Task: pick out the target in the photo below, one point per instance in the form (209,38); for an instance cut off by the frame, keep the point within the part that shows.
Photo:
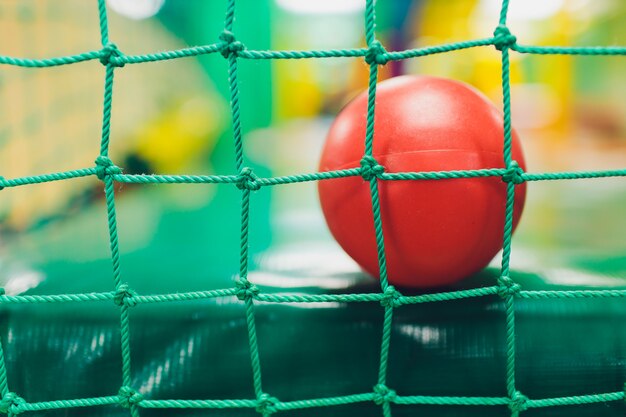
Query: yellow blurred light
(524,9)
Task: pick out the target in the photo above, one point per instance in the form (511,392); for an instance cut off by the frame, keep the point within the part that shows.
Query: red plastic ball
(436,232)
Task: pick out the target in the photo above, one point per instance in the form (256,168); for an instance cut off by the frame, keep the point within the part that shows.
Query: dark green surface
(199,350)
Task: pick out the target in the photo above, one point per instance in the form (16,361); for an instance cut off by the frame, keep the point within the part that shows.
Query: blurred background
(174,117)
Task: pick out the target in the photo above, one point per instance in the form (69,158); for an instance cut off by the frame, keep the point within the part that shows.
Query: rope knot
(383,394)
(514,173)
(110,55)
(128,396)
(246,290)
(10,403)
(231,44)
(391,297)
(266,404)
(248,180)
(519,402)
(502,38)
(376,54)
(104,167)
(506,287)
(370,168)
(124,296)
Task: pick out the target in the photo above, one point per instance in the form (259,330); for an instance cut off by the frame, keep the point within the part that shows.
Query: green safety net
(246,181)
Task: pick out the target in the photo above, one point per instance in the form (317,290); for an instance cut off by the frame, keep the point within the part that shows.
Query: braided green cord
(473,401)
(319,298)
(328,53)
(245,220)
(104,171)
(195,51)
(570,294)
(175,54)
(503,12)
(508,229)
(216,404)
(255,294)
(50,62)
(184,296)
(574,175)
(371,108)
(442,175)
(254,348)
(104,23)
(4,387)
(125,336)
(430,50)
(318,176)
(312,298)
(246,183)
(517,400)
(61,404)
(581,50)
(506,97)
(321,402)
(576,400)
(307,177)
(448,296)
(234,103)
(374,55)
(58,298)
(370,28)
(324,402)
(106,114)
(112,223)
(247,295)
(509,303)
(176,179)
(384,349)
(378,226)
(56,176)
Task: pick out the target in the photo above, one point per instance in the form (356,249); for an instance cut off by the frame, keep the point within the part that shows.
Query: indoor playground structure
(164,250)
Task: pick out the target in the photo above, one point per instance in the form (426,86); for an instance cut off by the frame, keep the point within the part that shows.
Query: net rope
(246,181)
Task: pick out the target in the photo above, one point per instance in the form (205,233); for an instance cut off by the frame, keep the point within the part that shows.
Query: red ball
(436,232)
